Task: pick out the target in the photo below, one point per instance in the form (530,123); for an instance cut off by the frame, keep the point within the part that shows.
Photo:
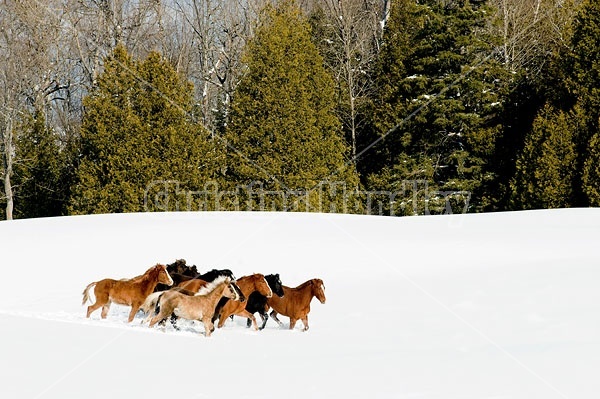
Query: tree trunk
(7,158)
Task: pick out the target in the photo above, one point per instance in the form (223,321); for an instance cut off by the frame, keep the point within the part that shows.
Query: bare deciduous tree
(531,30)
(355,27)
(29,55)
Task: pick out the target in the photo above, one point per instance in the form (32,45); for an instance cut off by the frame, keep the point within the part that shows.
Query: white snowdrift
(502,305)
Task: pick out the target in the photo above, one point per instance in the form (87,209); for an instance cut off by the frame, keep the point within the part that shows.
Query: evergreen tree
(546,169)
(586,75)
(137,133)
(439,94)
(283,134)
(591,172)
(43,176)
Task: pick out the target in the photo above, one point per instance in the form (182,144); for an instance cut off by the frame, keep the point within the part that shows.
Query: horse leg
(92,308)
(292,323)
(305,322)
(264,316)
(209,327)
(274,317)
(132,313)
(159,318)
(173,321)
(105,310)
(222,319)
(250,316)
(102,300)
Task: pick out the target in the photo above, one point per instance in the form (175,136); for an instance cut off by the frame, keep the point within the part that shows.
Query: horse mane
(304,284)
(154,270)
(210,287)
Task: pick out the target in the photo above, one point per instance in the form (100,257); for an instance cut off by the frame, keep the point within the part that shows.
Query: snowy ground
(496,306)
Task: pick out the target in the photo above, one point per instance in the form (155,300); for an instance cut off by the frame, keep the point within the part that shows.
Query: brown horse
(295,302)
(192,285)
(200,306)
(130,292)
(247,284)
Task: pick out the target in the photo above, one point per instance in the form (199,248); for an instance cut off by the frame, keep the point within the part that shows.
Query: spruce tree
(138,134)
(283,134)
(439,93)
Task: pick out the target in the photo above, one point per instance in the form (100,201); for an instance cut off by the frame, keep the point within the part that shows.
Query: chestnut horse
(200,306)
(192,285)
(295,302)
(258,303)
(130,292)
(248,284)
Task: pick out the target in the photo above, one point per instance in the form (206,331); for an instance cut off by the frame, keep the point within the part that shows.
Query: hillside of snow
(503,305)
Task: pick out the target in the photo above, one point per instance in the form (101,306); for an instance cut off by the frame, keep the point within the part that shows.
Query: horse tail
(86,293)
(157,306)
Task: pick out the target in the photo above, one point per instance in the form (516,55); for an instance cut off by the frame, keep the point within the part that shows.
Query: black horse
(214,273)
(179,272)
(256,302)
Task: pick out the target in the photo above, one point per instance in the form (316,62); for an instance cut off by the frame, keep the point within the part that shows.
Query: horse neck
(303,293)
(247,285)
(148,281)
(216,294)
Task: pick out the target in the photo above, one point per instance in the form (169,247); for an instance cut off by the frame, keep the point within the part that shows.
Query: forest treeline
(394,107)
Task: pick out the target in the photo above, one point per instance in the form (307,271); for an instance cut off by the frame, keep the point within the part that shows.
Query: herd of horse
(170,292)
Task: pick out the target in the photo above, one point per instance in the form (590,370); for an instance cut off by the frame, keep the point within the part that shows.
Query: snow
(502,305)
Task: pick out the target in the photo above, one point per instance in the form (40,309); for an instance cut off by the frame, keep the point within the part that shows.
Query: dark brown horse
(130,292)
(200,306)
(295,302)
(247,284)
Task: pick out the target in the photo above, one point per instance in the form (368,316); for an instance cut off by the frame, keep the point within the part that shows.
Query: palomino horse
(258,302)
(151,300)
(248,284)
(295,302)
(130,292)
(200,306)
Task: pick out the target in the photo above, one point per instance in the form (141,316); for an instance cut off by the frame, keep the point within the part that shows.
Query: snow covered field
(502,305)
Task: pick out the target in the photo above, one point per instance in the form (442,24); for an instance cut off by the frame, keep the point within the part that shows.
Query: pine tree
(283,134)
(138,134)
(546,169)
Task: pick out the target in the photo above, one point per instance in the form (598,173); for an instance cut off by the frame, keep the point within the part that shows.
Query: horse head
(232,291)
(261,285)
(275,284)
(318,289)
(163,275)
(240,295)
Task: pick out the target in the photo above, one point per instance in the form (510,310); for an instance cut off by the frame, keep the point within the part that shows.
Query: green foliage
(591,172)
(546,169)
(586,75)
(439,93)
(283,134)
(43,173)
(137,133)
(586,50)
